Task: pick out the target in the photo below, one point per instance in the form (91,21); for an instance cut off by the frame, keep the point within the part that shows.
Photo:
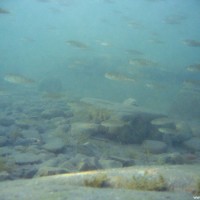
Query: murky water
(87,81)
(143,40)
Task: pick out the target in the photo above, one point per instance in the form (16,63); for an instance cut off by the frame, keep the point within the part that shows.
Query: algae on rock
(148,183)
(98,181)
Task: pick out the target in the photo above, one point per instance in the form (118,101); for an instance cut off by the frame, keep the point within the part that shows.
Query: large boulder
(126,123)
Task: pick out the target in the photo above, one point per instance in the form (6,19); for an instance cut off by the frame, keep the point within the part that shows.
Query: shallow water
(82,80)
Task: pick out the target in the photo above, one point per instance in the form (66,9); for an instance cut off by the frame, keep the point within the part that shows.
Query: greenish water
(143,40)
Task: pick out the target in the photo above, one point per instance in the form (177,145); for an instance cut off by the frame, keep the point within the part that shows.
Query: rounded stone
(27,158)
(55,145)
(48,171)
(3,141)
(52,113)
(87,164)
(4,176)
(193,144)
(154,146)
(107,164)
(6,122)
(87,149)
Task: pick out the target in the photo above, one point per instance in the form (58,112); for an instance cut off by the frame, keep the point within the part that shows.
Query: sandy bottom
(182,181)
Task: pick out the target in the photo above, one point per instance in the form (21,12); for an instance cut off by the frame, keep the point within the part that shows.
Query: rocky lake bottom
(49,136)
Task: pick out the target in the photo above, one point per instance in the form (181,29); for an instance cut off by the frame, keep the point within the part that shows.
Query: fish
(84,126)
(191,83)
(156,41)
(194,68)
(174,19)
(17,79)
(192,43)
(134,52)
(135,24)
(167,130)
(53,95)
(118,77)
(103,43)
(162,121)
(4,11)
(155,86)
(113,123)
(77,44)
(45,1)
(142,62)
(189,90)
(130,102)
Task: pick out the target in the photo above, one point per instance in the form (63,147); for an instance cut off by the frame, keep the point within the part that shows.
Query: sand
(181,183)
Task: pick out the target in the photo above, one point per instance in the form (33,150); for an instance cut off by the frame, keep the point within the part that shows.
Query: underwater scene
(91,86)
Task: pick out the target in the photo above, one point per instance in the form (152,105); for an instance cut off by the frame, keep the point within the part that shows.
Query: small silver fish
(143,62)
(162,121)
(17,79)
(191,83)
(4,11)
(118,77)
(192,43)
(77,44)
(167,130)
(194,68)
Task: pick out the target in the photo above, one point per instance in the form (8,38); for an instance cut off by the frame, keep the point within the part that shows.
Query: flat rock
(126,162)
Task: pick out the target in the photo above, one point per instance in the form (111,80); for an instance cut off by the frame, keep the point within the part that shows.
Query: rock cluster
(40,137)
